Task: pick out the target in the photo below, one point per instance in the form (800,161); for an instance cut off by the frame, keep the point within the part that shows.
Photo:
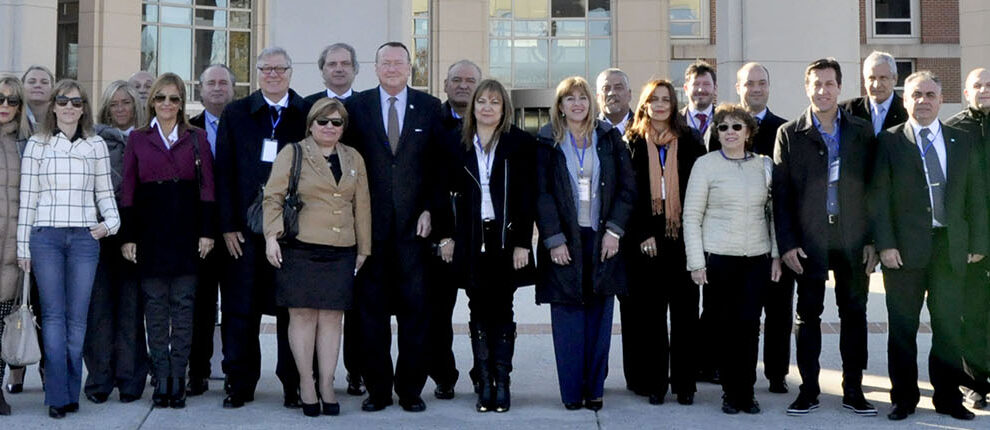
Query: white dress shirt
(938,145)
(692,119)
(344,96)
(400,106)
(172,137)
(485,167)
(621,125)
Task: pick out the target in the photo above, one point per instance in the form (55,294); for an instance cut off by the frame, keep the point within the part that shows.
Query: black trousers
(490,298)
(442,298)
(169,303)
(657,286)
(738,285)
(778,321)
(976,335)
(852,287)
(906,290)
(114,350)
(246,294)
(392,282)
(205,311)
(352,342)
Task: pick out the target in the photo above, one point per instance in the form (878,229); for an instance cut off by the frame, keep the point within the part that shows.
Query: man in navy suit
(338,65)
(398,132)
(881,105)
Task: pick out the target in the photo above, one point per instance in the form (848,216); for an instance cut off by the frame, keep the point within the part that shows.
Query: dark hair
(504,123)
(340,45)
(392,45)
(822,64)
(324,107)
(50,124)
(699,68)
(725,111)
(641,115)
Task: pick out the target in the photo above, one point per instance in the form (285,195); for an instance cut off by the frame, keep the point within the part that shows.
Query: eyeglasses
(160,98)
(12,101)
(337,122)
(725,127)
(277,70)
(63,100)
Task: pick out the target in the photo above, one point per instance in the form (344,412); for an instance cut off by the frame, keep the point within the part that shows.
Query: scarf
(671,206)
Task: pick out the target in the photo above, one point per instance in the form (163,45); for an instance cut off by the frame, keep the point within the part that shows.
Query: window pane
(600,28)
(243,4)
(241,91)
(677,68)
(499,28)
(421,63)
(568,28)
(599,56)
(174,56)
(685,29)
(216,3)
(239,55)
(904,69)
(568,8)
(894,28)
(420,8)
(149,13)
(599,8)
(530,64)
(530,28)
(421,26)
(211,18)
(240,20)
(500,8)
(568,58)
(149,48)
(176,15)
(531,9)
(211,48)
(893,8)
(500,60)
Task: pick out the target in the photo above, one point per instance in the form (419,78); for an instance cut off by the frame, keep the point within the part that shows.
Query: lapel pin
(411,107)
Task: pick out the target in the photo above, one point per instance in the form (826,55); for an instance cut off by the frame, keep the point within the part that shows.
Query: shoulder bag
(20,335)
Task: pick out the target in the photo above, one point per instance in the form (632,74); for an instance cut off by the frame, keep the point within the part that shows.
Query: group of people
(336,211)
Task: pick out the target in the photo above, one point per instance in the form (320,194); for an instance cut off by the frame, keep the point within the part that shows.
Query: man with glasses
(398,132)
(881,105)
(822,160)
(251,132)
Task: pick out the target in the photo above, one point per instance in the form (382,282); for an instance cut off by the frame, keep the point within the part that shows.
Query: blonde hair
(164,80)
(557,121)
(16,89)
(103,117)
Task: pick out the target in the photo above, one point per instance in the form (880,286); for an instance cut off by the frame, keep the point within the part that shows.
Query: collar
(75,137)
(763,114)
(172,136)
(708,111)
(818,124)
(282,104)
(935,127)
(976,113)
(209,117)
(624,119)
(885,105)
(346,94)
(400,99)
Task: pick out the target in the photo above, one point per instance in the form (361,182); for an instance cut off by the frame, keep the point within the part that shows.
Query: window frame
(914,19)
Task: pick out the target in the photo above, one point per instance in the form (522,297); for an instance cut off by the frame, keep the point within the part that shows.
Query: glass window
(677,69)
(176,15)
(686,18)
(599,9)
(500,56)
(568,28)
(530,9)
(67,40)
(211,18)
(530,63)
(904,69)
(500,8)
(568,58)
(421,48)
(892,17)
(568,8)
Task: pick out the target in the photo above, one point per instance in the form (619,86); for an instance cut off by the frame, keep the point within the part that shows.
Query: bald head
(753,87)
(141,82)
(977,89)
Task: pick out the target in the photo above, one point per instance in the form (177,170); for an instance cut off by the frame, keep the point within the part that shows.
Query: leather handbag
(290,207)
(20,335)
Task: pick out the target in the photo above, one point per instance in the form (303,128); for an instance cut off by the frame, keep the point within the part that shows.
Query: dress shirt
(832,143)
(344,96)
(692,119)
(211,123)
(172,137)
(759,117)
(938,144)
(621,125)
(591,164)
(878,113)
(281,104)
(400,106)
(485,167)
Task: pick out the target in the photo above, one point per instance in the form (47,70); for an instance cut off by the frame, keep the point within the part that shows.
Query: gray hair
(340,45)
(272,51)
(465,62)
(923,75)
(233,79)
(600,80)
(879,57)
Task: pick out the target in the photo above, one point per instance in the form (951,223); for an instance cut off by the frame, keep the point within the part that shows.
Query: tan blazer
(332,214)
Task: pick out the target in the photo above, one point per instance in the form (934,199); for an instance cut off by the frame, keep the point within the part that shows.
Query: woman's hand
(205,246)
(447,249)
(24,264)
(273,251)
(610,246)
(649,247)
(560,255)
(520,258)
(99,231)
(775,270)
(129,251)
(699,277)
(359,262)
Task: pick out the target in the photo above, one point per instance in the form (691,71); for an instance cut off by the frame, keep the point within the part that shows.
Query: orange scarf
(671,206)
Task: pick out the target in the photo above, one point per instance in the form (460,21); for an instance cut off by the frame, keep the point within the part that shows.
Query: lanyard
(580,155)
(276,121)
(488,157)
(663,156)
(695,123)
(931,142)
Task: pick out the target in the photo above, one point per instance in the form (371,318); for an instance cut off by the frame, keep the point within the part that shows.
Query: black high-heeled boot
(504,347)
(480,347)
(177,396)
(4,407)
(160,398)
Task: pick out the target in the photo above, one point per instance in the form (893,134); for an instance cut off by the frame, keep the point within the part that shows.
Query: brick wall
(711,22)
(947,70)
(939,21)
(862,21)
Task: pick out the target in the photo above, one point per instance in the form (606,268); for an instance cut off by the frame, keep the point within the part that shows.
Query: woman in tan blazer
(316,269)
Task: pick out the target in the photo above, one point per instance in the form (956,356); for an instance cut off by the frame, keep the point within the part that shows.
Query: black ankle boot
(482,363)
(505,341)
(4,407)
(160,399)
(177,397)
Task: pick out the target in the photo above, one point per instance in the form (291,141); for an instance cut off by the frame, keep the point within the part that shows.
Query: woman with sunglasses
(729,242)
(65,189)
(13,136)
(167,203)
(664,150)
(315,270)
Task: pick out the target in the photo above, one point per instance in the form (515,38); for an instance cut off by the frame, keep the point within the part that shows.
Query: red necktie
(703,120)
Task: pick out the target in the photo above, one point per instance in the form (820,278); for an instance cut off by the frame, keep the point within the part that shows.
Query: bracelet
(444,243)
(613,234)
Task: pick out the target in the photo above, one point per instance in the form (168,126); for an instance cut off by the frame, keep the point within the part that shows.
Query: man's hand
(129,251)
(649,247)
(234,240)
(973,258)
(891,258)
(791,260)
(870,258)
(423,226)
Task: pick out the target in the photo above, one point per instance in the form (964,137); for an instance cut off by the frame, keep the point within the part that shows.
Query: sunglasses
(12,101)
(337,122)
(63,100)
(725,127)
(160,98)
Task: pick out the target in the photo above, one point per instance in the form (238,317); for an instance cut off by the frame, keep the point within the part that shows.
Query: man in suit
(614,95)
(398,132)
(251,132)
(338,65)
(881,106)
(141,82)
(700,86)
(822,164)
(976,120)
(929,224)
(216,88)
(462,78)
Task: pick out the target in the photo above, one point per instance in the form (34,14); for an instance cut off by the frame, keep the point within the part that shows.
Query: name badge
(584,189)
(268,150)
(663,188)
(833,171)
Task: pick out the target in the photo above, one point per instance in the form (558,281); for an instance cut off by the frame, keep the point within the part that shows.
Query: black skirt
(315,276)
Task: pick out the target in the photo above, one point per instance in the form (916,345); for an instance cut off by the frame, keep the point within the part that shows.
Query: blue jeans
(64,262)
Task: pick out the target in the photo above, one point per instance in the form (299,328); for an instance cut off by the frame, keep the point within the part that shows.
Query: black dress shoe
(573,406)
(728,407)
(374,405)
(957,411)
(331,408)
(233,401)
(415,404)
(97,397)
(749,406)
(656,399)
(444,391)
(197,386)
(685,398)
(71,407)
(177,396)
(778,386)
(57,413)
(291,401)
(857,403)
(128,398)
(355,385)
(15,388)
(594,405)
(899,412)
(311,410)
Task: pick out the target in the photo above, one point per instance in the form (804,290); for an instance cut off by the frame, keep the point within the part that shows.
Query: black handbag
(290,207)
